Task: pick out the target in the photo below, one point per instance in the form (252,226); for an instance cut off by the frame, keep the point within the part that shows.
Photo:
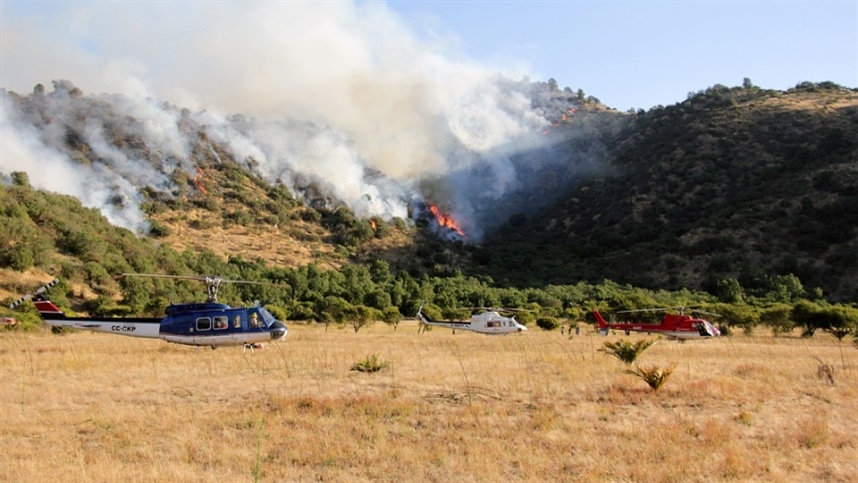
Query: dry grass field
(449,408)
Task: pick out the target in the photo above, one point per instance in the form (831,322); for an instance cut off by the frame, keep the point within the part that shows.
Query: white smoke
(335,91)
(95,186)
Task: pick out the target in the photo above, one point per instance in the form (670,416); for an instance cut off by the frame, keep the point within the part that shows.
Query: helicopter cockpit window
(254,319)
(204,323)
(221,322)
(266,319)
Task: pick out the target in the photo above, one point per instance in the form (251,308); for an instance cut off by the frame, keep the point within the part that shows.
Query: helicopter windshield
(705,328)
(267,318)
(259,317)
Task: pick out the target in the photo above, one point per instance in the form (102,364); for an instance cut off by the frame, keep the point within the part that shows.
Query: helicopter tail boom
(133,327)
(603,326)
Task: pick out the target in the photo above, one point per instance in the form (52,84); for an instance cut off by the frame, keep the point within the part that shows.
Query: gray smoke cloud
(24,148)
(343,94)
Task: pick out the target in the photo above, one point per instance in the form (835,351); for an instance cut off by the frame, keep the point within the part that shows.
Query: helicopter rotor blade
(212,283)
(682,309)
(192,277)
(44,288)
(497,309)
(706,313)
(641,310)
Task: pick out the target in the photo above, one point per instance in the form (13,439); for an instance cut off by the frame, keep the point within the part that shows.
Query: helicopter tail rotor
(34,293)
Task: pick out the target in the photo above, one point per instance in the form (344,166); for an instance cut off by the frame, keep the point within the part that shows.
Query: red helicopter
(674,326)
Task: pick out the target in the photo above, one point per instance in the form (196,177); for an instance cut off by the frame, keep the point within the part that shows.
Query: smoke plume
(343,95)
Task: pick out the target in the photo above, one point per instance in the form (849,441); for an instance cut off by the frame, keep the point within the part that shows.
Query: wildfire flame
(445,220)
(198,181)
(373,224)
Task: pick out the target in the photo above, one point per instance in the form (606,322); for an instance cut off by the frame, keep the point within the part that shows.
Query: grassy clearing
(464,407)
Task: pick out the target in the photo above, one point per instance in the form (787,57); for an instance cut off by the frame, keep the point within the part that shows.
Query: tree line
(57,235)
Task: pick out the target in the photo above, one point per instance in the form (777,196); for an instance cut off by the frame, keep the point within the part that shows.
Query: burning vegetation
(445,220)
(428,215)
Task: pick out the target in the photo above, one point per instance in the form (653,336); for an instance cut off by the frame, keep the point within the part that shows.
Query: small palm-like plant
(626,350)
(653,375)
(370,363)
(825,371)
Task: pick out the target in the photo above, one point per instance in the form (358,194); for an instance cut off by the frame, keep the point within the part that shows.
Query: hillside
(738,183)
(734,183)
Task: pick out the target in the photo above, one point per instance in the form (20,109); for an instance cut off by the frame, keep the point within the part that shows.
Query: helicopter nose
(277,330)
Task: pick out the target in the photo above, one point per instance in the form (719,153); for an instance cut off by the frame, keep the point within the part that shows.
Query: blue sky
(641,54)
(409,90)
(629,54)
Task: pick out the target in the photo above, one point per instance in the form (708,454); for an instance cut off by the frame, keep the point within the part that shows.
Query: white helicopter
(489,322)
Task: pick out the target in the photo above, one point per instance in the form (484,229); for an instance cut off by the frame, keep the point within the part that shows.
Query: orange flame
(373,224)
(197,181)
(446,220)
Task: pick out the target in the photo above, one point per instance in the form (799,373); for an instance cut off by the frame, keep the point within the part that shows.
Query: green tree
(357,283)
(100,306)
(729,291)
(379,272)
(378,299)
(360,316)
(391,316)
(552,85)
(20,178)
(744,316)
(807,315)
(786,289)
(777,318)
(841,320)
(332,309)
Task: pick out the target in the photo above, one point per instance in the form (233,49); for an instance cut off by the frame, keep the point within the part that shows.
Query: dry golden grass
(271,244)
(277,245)
(15,284)
(463,407)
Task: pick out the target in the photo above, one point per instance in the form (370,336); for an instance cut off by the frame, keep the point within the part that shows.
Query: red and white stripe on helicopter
(210,324)
(676,326)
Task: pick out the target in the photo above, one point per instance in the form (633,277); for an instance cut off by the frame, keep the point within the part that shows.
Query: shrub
(626,350)
(654,376)
(158,229)
(370,363)
(825,371)
(547,323)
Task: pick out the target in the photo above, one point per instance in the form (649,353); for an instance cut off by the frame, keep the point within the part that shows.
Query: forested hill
(734,183)
(741,185)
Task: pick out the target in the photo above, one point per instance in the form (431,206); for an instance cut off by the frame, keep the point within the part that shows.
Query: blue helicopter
(209,323)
